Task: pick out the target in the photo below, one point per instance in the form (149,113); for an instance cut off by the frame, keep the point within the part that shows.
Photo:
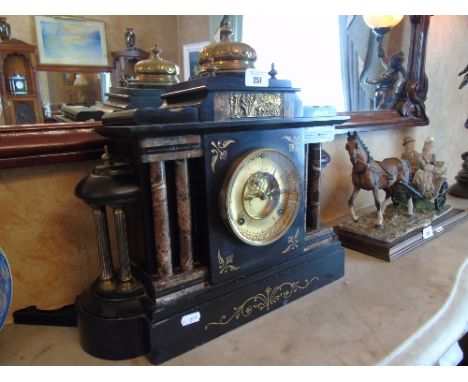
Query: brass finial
(156,51)
(154,71)
(226,57)
(226,32)
(106,157)
(273,71)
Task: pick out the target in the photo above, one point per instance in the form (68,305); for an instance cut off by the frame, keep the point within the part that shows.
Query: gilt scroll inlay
(264,301)
(219,151)
(255,105)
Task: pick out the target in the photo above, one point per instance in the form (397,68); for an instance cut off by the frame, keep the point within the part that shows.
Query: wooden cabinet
(18,59)
(124,63)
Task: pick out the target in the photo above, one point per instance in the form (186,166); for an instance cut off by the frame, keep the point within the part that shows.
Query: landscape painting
(64,41)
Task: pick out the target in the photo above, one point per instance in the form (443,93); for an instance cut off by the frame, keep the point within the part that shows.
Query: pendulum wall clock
(19,90)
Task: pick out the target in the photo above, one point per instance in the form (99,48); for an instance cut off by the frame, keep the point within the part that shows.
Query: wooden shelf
(377,120)
(39,144)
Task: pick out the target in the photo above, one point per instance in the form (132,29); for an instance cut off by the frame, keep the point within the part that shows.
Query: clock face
(19,85)
(261,196)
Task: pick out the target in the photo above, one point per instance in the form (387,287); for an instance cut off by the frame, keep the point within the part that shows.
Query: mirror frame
(409,111)
(32,145)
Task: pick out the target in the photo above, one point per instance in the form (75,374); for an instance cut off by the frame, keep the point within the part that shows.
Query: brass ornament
(293,242)
(293,141)
(263,301)
(260,197)
(219,151)
(256,105)
(226,56)
(155,71)
(226,264)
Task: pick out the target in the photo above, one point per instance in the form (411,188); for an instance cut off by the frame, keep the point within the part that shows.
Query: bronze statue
(130,38)
(463,83)
(389,85)
(5,29)
(465,79)
(460,188)
(371,175)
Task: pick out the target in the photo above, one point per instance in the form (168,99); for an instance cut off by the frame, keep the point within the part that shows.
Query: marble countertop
(408,312)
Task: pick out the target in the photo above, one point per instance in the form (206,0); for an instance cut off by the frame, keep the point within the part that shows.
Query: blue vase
(6,288)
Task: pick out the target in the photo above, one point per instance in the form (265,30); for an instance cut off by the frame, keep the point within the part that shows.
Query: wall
(446,106)
(191,29)
(47,234)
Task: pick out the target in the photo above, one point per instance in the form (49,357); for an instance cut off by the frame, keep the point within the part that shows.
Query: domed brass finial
(227,56)
(155,71)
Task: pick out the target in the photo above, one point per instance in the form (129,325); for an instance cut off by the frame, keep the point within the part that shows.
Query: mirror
(71,88)
(337,60)
(372,75)
(342,44)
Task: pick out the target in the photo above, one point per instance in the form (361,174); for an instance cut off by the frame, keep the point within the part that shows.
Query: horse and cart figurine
(399,178)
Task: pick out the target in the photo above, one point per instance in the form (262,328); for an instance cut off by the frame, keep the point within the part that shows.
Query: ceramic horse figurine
(371,175)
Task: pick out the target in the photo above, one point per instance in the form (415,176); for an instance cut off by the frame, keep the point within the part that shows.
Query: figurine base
(390,251)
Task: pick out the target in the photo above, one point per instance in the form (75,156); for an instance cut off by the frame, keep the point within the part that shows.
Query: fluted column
(105,256)
(125,274)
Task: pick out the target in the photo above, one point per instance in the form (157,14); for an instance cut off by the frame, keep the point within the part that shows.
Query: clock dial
(19,85)
(261,196)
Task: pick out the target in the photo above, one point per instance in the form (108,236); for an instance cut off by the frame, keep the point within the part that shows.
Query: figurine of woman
(387,91)
(130,38)
(429,171)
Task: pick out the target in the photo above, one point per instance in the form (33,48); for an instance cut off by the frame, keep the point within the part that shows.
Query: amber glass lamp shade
(382,21)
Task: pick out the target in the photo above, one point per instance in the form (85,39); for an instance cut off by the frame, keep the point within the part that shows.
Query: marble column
(314,167)
(161,219)
(184,214)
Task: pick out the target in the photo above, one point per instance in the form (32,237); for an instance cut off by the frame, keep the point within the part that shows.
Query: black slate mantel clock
(215,199)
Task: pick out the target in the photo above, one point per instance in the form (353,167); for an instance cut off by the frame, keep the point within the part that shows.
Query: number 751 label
(256,78)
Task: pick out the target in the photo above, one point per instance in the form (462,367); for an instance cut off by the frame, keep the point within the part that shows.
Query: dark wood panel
(38,144)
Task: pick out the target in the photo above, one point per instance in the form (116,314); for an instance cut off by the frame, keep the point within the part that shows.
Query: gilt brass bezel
(227,199)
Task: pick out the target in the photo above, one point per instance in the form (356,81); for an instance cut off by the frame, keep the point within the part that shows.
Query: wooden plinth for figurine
(403,245)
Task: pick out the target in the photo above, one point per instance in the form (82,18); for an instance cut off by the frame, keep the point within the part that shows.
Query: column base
(113,328)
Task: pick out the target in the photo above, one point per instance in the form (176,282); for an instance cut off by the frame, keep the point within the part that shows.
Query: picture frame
(71,41)
(190,54)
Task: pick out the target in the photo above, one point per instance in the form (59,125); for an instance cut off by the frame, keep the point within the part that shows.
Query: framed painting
(71,41)
(191,58)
